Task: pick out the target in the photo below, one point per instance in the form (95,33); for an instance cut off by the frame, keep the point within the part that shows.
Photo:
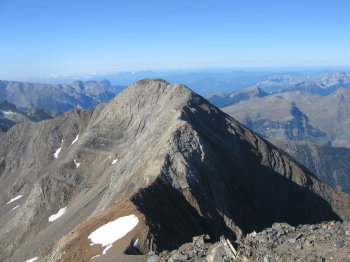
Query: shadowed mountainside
(330,164)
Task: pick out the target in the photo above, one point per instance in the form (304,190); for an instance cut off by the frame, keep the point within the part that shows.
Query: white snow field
(112,231)
(114,161)
(76,139)
(57,152)
(76,163)
(8,112)
(58,214)
(14,199)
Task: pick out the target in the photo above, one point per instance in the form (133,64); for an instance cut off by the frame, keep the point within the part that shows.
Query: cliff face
(160,152)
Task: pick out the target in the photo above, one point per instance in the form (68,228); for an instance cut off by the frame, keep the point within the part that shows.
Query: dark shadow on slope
(240,187)
(229,188)
(171,219)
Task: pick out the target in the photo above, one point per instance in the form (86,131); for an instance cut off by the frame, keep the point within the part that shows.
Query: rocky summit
(146,172)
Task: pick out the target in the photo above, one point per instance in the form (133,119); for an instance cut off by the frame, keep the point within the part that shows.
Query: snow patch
(32,259)
(8,112)
(57,152)
(14,207)
(105,250)
(136,243)
(58,214)
(112,231)
(76,139)
(114,161)
(77,164)
(94,257)
(14,199)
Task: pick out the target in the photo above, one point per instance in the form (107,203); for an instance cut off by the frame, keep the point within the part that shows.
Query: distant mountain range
(319,84)
(58,97)
(275,84)
(290,114)
(223,86)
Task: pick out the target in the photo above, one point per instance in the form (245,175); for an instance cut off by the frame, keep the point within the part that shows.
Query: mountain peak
(155,93)
(159,152)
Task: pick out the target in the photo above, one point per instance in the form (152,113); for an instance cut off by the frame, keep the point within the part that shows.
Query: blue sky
(45,37)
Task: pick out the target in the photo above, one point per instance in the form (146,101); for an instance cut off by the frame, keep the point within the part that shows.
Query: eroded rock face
(158,151)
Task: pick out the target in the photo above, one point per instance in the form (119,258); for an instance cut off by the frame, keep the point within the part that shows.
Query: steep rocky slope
(158,152)
(330,164)
(58,97)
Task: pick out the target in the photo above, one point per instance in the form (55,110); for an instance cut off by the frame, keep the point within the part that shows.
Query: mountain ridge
(154,145)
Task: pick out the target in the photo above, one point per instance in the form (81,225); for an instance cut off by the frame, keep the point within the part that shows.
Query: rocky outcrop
(282,242)
(157,151)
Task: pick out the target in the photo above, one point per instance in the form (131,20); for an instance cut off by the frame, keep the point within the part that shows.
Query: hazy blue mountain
(223,100)
(320,84)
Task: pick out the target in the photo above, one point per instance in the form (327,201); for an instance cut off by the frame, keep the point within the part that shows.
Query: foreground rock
(282,242)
